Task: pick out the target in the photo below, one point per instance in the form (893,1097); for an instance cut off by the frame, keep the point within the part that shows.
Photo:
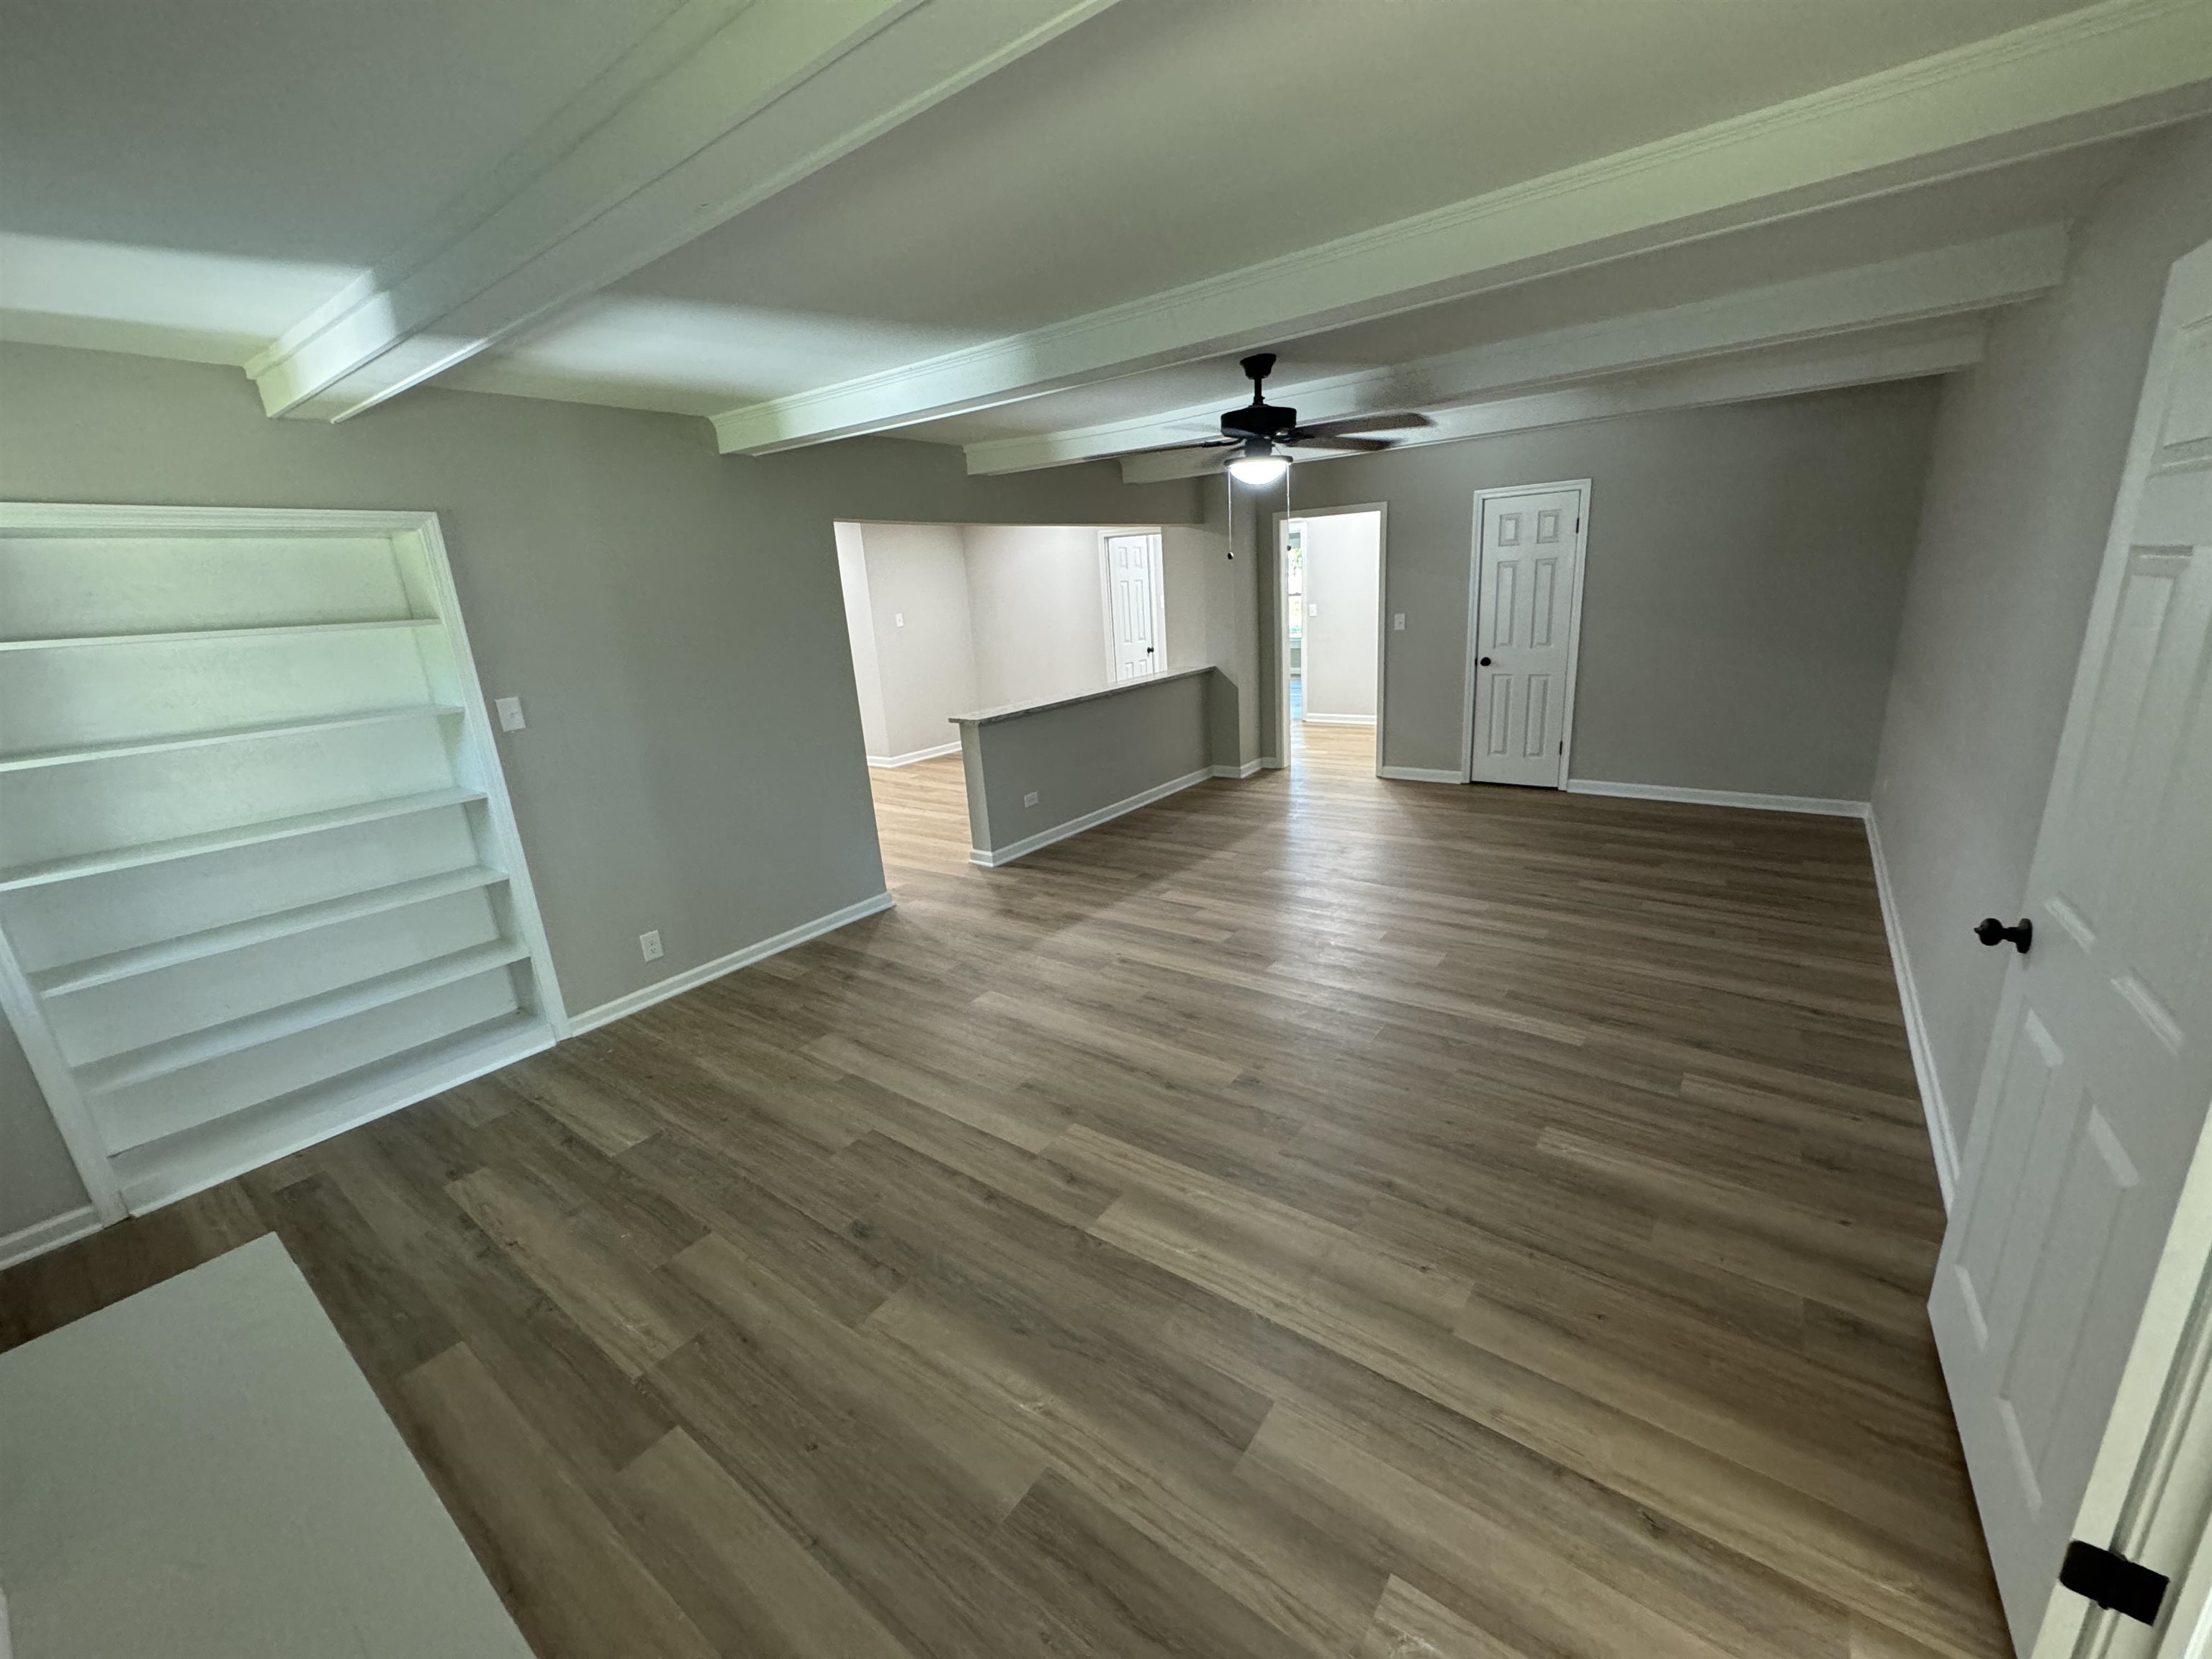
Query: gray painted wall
(1083,757)
(994,615)
(925,646)
(671,616)
(1213,619)
(1038,612)
(1746,576)
(1344,571)
(2027,460)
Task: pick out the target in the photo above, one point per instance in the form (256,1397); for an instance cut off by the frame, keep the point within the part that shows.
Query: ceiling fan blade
(1306,439)
(1405,421)
(1191,444)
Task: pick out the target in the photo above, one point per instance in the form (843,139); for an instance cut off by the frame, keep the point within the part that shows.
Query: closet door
(259,880)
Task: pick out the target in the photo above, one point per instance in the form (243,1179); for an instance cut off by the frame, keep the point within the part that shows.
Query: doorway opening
(1331,650)
(951,619)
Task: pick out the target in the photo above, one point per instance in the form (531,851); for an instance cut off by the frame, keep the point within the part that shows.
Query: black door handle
(1484,663)
(1991,932)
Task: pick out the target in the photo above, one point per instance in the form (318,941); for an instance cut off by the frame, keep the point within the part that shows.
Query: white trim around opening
(1283,520)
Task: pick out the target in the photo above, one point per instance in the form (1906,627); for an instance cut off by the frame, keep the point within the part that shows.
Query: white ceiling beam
(2109,69)
(1895,354)
(723,105)
(1968,277)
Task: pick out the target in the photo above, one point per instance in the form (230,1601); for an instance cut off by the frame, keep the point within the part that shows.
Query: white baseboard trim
(1338,720)
(1249,769)
(1022,848)
(48,1235)
(1815,804)
(1420,774)
(1916,1028)
(891,763)
(676,984)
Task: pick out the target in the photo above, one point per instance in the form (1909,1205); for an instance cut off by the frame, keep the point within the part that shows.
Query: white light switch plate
(510,713)
(1030,799)
(899,618)
(1398,622)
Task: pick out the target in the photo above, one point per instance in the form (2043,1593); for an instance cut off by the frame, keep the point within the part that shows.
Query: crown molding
(1908,353)
(723,104)
(2111,68)
(1966,278)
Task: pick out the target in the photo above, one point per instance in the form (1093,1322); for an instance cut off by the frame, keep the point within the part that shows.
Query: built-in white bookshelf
(259,877)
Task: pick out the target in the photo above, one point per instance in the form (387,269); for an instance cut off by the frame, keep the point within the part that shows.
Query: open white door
(2094,1097)
(1133,586)
(1526,604)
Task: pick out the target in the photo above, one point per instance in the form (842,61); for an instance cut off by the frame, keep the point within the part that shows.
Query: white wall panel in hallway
(1037,610)
(1343,592)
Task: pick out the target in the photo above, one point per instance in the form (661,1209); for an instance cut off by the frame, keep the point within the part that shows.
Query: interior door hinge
(2110,1580)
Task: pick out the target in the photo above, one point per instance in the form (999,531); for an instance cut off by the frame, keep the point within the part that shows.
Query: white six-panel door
(1527,587)
(1132,583)
(2094,1093)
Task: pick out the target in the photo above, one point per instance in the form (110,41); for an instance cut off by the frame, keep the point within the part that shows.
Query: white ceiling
(1165,140)
(909,180)
(203,174)
(2048,190)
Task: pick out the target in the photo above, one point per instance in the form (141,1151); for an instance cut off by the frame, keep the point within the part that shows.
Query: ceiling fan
(1257,434)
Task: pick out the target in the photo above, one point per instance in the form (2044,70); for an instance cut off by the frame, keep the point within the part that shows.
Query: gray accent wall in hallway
(1746,575)
(2028,452)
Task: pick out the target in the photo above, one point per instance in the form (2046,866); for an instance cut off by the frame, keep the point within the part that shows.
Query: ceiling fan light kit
(1258,436)
(1258,464)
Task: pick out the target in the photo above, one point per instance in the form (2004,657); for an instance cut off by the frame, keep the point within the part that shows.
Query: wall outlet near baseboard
(1030,799)
(650,945)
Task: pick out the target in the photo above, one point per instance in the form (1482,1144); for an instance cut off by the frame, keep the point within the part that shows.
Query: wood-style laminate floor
(1311,1216)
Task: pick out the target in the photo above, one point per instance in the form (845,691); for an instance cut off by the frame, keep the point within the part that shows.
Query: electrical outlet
(510,713)
(1314,610)
(1030,798)
(1398,622)
(898,619)
(650,945)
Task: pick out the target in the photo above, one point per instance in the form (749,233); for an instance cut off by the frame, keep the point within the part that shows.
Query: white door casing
(2094,1093)
(1343,644)
(1525,605)
(1279,585)
(1133,586)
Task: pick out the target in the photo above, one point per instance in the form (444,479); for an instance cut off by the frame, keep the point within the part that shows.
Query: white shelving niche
(259,877)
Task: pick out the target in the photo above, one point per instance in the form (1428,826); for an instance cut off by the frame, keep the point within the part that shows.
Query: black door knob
(1484,663)
(1992,932)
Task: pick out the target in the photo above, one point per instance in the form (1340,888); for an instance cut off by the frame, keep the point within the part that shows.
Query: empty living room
(979,829)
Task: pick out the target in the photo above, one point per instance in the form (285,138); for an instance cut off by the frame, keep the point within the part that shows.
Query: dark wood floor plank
(1313,1215)
(743,1578)
(563,1569)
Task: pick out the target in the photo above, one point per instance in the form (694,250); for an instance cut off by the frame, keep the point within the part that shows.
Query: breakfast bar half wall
(1042,772)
